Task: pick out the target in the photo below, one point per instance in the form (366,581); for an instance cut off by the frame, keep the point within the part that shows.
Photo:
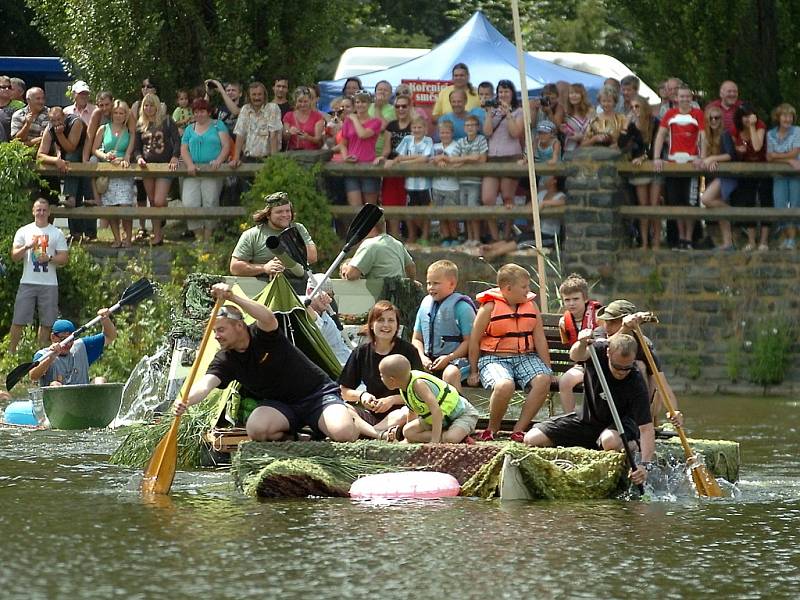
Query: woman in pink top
(303,126)
(359,135)
(504,127)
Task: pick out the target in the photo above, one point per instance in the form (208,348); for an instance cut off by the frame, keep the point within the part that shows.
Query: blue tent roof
(487,53)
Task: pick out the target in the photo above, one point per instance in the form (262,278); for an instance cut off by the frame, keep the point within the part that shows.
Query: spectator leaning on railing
(783,145)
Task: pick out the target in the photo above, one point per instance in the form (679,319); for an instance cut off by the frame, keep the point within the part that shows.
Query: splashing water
(146,388)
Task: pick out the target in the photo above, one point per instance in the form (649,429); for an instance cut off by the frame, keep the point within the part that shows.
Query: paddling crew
(620,316)
(68,364)
(593,425)
(251,256)
(290,390)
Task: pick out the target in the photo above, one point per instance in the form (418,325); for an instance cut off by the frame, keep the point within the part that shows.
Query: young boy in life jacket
(443,324)
(508,348)
(581,313)
(442,414)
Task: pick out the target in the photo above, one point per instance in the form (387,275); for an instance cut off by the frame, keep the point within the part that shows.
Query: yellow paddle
(160,470)
(703,480)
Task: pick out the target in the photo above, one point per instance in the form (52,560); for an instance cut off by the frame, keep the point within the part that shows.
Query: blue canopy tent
(487,53)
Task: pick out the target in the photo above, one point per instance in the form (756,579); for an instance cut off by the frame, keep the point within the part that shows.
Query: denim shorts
(520,368)
(365,185)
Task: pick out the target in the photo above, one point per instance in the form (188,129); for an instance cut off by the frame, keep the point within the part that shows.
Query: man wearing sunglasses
(622,317)
(593,425)
(285,390)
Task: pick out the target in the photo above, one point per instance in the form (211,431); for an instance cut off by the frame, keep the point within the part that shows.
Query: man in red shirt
(685,125)
(728,102)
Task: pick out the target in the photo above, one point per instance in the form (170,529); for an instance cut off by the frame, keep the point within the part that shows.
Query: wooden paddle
(133,294)
(160,471)
(613,408)
(703,480)
(360,226)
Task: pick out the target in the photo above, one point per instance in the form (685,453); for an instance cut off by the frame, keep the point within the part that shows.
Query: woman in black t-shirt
(376,410)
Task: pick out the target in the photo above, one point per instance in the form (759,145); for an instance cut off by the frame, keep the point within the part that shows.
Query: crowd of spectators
(218,124)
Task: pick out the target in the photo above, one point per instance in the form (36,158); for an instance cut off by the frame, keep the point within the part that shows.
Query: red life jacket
(569,333)
(509,330)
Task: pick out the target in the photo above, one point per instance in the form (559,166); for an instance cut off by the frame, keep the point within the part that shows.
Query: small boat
(67,407)
(82,406)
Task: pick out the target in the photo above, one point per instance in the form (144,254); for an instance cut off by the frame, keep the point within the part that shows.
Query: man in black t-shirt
(291,391)
(593,426)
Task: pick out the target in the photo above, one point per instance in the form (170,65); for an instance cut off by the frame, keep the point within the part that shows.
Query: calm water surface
(72,526)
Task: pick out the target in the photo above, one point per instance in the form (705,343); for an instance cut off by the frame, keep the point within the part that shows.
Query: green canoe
(82,406)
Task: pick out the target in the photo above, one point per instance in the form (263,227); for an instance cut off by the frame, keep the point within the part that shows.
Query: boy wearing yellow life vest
(508,348)
(580,313)
(443,415)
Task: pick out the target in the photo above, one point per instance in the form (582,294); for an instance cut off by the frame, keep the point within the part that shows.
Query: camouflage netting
(721,456)
(300,469)
(189,319)
(292,469)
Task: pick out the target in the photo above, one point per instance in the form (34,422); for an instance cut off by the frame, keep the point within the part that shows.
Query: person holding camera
(303,127)
(504,127)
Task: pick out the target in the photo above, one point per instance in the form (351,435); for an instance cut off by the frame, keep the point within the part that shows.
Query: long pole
(526,111)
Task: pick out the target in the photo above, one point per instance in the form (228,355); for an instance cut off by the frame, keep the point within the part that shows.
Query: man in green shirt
(251,256)
(380,256)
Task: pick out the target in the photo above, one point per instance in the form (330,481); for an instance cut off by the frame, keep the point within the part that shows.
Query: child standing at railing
(417,148)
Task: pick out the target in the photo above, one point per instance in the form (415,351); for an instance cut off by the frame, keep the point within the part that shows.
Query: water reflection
(74,526)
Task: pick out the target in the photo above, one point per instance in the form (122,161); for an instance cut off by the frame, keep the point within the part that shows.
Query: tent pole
(526,110)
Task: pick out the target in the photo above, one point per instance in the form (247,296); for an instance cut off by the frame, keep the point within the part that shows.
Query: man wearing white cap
(81,106)
(68,364)
(321,312)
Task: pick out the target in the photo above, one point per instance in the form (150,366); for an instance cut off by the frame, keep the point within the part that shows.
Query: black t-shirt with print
(397,134)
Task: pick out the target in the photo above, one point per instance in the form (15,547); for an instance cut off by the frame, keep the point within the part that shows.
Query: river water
(72,526)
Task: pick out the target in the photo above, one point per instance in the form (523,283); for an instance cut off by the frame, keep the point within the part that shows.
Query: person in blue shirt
(68,364)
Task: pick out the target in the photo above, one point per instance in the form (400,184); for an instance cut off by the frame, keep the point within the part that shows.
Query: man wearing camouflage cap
(251,256)
(621,317)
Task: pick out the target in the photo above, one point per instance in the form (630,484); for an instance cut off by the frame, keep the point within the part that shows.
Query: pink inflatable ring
(406,484)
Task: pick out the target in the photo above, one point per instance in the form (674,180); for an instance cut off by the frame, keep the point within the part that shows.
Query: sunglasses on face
(714,118)
(624,368)
(5,87)
(401,105)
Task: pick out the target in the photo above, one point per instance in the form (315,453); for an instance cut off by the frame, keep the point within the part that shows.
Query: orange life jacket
(569,332)
(509,330)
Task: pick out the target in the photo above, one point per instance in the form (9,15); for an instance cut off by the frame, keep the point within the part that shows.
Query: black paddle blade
(295,245)
(16,375)
(137,291)
(365,220)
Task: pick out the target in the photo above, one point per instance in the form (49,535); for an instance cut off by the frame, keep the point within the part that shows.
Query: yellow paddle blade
(160,471)
(704,481)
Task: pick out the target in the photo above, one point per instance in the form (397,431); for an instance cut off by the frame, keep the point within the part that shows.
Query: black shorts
(308,410)
(677,191)
(569,430)
(419,197)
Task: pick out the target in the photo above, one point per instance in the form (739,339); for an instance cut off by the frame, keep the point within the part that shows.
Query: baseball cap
(546,127)
(616,310)
(63,326)
(80,86)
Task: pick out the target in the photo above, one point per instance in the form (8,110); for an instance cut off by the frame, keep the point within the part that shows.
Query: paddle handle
(614,414)
(662,389)
(203,343)
(326,276)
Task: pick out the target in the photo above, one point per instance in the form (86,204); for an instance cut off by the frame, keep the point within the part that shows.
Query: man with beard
(286,390)
(258,129)
(251,256)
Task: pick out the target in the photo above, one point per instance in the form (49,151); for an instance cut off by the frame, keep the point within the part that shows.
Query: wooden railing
(489,169)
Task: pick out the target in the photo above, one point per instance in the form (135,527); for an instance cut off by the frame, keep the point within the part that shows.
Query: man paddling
(593,426)
(68,364)
(289,389)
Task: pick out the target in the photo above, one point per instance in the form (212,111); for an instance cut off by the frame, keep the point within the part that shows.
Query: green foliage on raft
(137,448)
